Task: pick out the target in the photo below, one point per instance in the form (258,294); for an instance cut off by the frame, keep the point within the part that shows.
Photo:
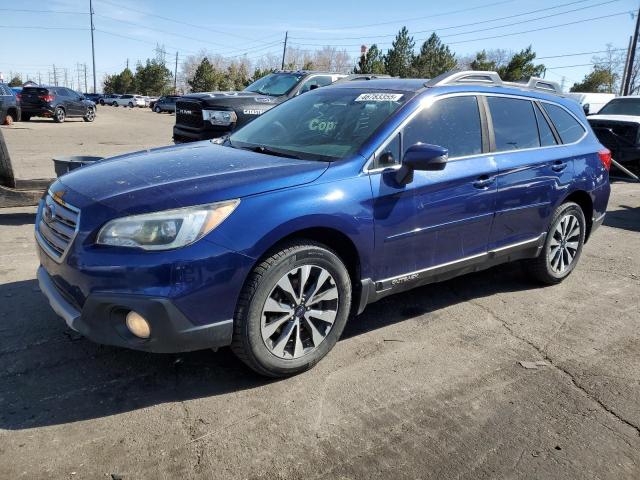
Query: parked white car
(129,101)
(592,102)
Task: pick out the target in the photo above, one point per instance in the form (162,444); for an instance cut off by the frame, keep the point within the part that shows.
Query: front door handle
(484,181)
(558,166)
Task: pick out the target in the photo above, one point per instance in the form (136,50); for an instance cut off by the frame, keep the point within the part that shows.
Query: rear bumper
(102,319)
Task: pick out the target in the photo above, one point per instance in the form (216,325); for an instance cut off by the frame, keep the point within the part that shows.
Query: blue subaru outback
(270,239)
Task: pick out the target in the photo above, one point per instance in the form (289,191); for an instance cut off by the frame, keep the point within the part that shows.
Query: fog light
(138,325)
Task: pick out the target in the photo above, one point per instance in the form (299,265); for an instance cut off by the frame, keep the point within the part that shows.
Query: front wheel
(292,310)
(59,115)
(90,116)
(114,104)
(130,105)
(562,247)
(157,110)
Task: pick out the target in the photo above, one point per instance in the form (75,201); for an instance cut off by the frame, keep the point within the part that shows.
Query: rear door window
(569,129)
(319,81)
(453,123)
(514,123)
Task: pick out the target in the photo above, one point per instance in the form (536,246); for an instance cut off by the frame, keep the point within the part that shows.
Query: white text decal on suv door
(379,97)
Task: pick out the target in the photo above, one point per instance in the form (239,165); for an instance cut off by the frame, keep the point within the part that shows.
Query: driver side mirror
(586,107)
(421,156)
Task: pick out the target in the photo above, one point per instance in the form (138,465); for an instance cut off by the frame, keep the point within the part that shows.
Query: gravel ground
(425,384)
(115,130)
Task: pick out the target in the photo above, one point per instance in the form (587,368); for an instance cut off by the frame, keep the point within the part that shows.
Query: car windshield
(275,84)
(324,124)
(622,106)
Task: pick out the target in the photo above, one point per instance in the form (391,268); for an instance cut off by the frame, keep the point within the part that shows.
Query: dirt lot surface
(115,130)
(425,384)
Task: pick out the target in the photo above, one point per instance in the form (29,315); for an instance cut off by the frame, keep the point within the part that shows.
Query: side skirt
(373,291)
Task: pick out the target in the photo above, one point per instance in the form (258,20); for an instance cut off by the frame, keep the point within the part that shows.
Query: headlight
(219,117)
(167,229)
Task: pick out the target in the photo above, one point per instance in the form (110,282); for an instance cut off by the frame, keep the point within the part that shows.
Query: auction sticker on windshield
(379,97)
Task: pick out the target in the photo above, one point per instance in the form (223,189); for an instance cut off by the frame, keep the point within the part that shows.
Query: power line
(543,28)
(33,27)
(481,29)
(168,19)
(442,14)
(24,10)
(581,53)
(366,37)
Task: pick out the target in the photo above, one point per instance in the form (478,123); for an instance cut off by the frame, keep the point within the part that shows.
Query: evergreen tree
(521,66)
(204,79)
(397,61)
(482,62)
(371,62)
(16,81)
(600,80)
(153,78)
(434,59)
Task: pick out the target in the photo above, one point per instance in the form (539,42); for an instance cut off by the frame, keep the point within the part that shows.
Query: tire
(157,110)
(130,104)
(59,115)
(91,115)
(114,104)
(288,322)
(102,102)
(561,251)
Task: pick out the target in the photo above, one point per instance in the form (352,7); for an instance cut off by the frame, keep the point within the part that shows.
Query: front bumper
(102,320)
(183,134)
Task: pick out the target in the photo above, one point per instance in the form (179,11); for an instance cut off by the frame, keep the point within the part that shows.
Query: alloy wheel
(564,243)
(299,312)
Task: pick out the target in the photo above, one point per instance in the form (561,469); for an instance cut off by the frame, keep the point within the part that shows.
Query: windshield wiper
(269,151)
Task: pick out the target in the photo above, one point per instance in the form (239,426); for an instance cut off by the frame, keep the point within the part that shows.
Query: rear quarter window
(569,129)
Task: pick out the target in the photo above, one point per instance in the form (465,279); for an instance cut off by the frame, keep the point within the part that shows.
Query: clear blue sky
(256,28)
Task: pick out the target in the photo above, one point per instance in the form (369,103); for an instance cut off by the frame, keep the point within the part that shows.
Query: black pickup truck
(201,116)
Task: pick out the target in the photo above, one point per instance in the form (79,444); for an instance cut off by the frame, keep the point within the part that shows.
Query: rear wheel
(292,310)
(157,110)
(101,102)
(114,104)
(562,247)
(59,115)
(130,104)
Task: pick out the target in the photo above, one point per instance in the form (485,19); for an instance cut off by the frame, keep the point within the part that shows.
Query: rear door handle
(484,181)
(558,166)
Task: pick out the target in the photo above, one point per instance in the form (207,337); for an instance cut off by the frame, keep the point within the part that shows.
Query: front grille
(189,114)
(57,227)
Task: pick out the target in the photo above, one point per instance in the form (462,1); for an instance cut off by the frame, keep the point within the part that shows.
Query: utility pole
(55,75)
(632,56)
(65,78)
(78,72)
(85,78)
(284,50)
(564,79)
(175,76)
(626,68)
(93,50)
(39,78)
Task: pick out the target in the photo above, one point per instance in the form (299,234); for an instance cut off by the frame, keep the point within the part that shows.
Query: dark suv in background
(58,103)
(200,116)
(165,103)
(9,105)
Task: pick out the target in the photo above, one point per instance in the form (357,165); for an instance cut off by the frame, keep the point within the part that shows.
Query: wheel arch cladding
(584,201)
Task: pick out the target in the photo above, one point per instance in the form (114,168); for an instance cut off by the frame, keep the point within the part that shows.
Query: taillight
(47,98)
(605,157)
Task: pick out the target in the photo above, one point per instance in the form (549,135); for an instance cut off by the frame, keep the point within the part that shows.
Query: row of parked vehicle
(58,103)
(165,103)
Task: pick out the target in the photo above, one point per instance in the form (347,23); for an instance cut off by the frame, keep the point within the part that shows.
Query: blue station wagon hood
(184,175)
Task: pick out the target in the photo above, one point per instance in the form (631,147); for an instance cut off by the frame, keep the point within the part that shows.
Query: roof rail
(491,78)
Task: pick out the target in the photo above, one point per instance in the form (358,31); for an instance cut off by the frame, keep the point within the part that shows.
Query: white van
(592,102)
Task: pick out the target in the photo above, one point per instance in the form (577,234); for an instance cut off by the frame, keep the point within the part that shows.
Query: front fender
(261,221)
